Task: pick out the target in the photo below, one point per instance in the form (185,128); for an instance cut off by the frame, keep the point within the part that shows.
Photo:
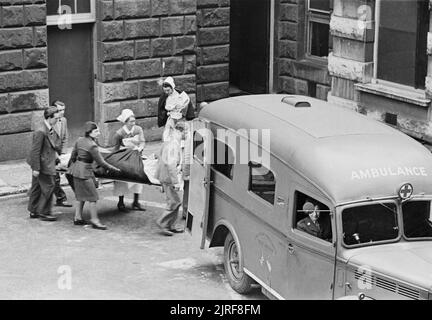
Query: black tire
(238,280)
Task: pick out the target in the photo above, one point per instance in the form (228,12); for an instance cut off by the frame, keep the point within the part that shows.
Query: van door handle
(207,181)
(291,249)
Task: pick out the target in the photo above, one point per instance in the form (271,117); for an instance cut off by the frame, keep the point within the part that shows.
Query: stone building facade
(213,21)
(101,56)
(298,71)
(383,68)
(138,43)
(23,74)
(378,61)
(134,45)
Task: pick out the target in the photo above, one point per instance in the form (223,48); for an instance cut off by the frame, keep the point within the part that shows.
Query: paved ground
(15,176)
(131,260)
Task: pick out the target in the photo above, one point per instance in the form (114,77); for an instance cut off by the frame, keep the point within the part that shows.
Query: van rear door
(201,145)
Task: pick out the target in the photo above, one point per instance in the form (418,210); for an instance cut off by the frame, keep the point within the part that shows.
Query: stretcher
(149,165)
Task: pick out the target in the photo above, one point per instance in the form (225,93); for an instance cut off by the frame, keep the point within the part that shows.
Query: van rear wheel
(238,280)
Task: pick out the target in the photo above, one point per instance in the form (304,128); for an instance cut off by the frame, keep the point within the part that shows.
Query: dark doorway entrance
(70,72)
(249,45)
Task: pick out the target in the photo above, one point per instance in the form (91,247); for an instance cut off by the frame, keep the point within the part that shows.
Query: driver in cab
(312,224)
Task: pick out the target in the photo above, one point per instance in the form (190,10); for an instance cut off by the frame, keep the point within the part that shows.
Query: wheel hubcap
(234,261)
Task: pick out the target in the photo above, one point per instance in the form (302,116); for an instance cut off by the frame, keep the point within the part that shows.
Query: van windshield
(370,223)
(417,219)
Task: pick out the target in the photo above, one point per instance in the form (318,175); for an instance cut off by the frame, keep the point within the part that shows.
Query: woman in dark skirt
(84,153)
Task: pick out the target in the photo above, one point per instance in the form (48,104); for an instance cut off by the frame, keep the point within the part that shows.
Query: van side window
(198,146)
(312,217)
(262,181)
(223,158)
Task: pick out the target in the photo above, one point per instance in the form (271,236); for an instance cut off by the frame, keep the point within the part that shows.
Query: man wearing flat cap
(42,160)
(312,224)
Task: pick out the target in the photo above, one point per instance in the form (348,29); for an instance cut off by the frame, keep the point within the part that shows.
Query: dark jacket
(163,114)
(83,154)
(44,151)
(308,226)
(322,230)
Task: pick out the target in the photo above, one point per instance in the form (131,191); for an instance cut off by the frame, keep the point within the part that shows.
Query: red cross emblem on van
(406,191)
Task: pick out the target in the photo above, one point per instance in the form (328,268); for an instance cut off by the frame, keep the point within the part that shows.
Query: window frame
(403,221)
(227,146)
(195,145)
(272,204)
(421,18)
(76,18)
(318,16)
(376,243)
(294,216)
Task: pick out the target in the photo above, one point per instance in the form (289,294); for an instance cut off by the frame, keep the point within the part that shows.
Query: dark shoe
(98,226)
(47,217)
(122,208)
(80,222)
(175,230)
(63,204)
(33,215)
(138,206)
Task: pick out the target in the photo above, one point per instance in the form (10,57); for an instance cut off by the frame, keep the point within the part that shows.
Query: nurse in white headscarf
(176,103)
(130,136)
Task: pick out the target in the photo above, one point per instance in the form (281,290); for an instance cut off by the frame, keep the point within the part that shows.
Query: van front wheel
(238,280)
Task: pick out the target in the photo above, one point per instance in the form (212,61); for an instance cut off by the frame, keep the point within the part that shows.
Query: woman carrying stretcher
(129,136)
(83,154)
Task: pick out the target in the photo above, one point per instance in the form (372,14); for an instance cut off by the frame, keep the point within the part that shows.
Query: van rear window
(198,146)
(262,181)
(370,223)
(223,158)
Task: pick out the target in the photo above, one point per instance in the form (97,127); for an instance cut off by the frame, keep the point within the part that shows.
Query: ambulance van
(259,159)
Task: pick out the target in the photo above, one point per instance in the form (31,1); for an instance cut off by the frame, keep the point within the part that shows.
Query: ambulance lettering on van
(383,172)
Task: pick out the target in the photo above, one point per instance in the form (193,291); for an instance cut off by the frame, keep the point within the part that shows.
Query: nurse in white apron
(129,136)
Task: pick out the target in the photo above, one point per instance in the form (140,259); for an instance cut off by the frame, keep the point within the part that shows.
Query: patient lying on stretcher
(130,160)
(149,162)
(149,168)
(135,166)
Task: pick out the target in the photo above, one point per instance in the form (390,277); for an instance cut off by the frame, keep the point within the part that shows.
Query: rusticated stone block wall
(297,75)
(139,43)
(351,61)
(23,74)
(213,19)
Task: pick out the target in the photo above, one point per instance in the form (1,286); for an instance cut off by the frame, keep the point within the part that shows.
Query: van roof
(348,156)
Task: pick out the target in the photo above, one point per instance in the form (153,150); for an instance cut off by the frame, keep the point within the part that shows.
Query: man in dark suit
(62,131)
(42,160)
